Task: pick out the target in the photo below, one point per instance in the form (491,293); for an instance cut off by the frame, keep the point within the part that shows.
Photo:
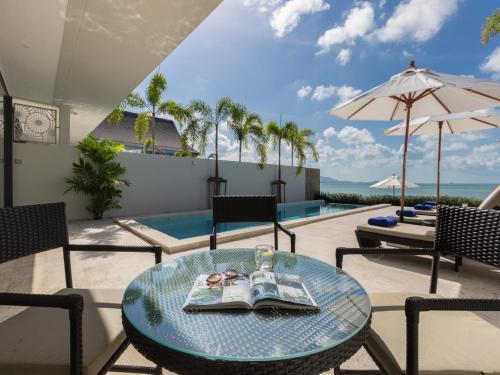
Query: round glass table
(256,341)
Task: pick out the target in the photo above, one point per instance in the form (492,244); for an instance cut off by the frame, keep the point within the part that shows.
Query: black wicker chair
(28,230)
(247,208)
(464,232)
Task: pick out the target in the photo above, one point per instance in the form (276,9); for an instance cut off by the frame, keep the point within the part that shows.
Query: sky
(300,58)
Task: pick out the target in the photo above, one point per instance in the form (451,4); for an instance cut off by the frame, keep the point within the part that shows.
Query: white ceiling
(89,54)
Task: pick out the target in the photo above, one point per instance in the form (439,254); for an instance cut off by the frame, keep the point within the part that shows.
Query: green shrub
(97,175)
(410,200)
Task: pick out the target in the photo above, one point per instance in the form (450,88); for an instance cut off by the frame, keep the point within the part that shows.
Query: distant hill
(331,179)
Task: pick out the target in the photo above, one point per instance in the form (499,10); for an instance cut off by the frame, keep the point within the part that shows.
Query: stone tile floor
(44,273)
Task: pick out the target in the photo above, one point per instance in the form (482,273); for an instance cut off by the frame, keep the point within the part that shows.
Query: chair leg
(275,237)
(458,263)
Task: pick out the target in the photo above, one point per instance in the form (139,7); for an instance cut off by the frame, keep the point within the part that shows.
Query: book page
(227,293)
(292,289)
(279,287)
(263,286)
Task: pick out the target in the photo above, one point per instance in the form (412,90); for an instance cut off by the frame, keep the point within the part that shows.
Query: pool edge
(173,245)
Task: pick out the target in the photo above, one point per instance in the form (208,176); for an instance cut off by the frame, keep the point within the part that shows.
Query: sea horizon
(479,190)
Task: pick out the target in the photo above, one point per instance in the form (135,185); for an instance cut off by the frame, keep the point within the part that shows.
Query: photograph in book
(261,289)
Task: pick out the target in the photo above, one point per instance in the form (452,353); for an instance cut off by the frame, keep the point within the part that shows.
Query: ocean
(480,191)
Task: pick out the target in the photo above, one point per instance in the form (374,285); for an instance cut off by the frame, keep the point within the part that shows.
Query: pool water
(183,226)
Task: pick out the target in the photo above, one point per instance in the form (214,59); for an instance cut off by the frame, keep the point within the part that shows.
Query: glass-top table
(239,340)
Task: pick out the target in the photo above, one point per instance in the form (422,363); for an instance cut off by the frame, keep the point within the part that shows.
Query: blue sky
(302,57)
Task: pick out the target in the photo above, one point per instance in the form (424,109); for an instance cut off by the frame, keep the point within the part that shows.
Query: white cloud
(262,6)
(346,93)
(407,54)
(322,92)
(416,20)
(486,156)
(304,91)
(329,132)
(492,64)
(343,93)
(344,56)
(381,3)
(355,136)
(359,21)
(286,17)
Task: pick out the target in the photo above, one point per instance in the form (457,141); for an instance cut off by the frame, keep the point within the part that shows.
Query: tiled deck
(44,272)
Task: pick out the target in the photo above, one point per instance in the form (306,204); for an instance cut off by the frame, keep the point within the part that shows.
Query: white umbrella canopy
(451,124)
(447,124)
(392,182)
(418,93)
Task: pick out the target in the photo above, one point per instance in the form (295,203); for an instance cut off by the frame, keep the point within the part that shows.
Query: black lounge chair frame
(248,208)
(28,230)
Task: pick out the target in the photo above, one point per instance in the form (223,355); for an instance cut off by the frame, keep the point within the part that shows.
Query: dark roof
(166,135)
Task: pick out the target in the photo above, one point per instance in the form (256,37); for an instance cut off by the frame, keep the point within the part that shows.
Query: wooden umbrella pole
(405,151)
(440,123)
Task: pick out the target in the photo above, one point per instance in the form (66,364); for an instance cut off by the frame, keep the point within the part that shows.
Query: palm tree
(301,145)
(212,117)
(192,135)
(276,134)
(244,126)
(153,104)
(491,26)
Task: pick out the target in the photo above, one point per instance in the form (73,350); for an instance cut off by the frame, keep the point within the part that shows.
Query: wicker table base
(185,364)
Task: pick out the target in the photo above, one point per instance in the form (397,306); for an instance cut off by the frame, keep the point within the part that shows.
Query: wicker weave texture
(244,208)
(184,364)
(469,232)
(27,230)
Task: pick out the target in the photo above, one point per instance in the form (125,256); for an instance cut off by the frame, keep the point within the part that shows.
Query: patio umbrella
(392,182)
(418,93)
(447,124)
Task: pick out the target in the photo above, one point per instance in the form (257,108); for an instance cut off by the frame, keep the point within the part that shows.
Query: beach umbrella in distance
(392,182)
(416,93)
(447,124)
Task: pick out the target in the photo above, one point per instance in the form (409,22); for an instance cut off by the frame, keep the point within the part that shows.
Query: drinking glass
(264,257)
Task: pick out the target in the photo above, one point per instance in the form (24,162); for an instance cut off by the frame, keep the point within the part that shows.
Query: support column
(8,150)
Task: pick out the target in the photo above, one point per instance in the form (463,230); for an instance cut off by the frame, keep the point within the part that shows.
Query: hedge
(410,200)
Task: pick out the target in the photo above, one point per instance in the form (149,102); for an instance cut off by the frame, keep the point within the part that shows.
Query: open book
(262,289)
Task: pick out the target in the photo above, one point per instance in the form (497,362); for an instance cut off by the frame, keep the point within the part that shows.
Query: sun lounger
(401,234)
(419,220)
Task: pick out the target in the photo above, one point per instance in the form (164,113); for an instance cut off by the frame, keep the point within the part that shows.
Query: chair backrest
(469,232)
(492,200)
(27,230)
(244,208)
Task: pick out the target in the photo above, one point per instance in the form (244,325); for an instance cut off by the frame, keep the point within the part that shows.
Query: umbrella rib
(482,94)
(424,94)
(397,98)
(361,108)
(449,127)
(394,110)
(417,129)
(440,102)
(484,122)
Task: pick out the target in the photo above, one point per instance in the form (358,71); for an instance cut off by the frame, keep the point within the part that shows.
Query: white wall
(158,183)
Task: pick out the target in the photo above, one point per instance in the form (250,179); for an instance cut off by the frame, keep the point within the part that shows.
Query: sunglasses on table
(215,278)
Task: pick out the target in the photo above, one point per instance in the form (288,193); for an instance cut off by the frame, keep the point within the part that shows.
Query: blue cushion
(408,212)
(423,207)
(382,221)
(429,203)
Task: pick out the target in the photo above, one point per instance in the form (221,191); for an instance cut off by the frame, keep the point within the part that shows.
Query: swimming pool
(182,226)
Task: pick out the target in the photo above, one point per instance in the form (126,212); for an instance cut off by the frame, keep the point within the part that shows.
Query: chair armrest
(156,250)
(71,302)
(289,234)
(415,305)
(341,251)
(42,300)
(213,237)
(284,230)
